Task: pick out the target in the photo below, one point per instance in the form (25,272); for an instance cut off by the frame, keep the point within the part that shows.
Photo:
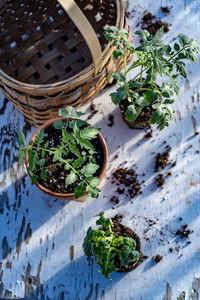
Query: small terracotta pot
(142,121)
(125,231)
(68,196)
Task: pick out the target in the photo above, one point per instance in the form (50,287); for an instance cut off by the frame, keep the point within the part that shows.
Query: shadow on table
(78,280)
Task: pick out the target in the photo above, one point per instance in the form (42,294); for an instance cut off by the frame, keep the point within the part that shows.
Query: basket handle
(83,25)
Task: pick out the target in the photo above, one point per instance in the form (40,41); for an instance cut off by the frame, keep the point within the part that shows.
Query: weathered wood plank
(41,238)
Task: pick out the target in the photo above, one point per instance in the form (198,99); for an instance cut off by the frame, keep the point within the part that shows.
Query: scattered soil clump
(157,258)
(150,23)
(160,181)
(93,111)
(148,134)
(127,178)
(111,119)
(165,9)
(184,232)
(162,159)
(115,199)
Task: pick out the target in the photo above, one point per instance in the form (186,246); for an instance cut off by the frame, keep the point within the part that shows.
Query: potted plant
(141,99)
(116,247)
(66,157)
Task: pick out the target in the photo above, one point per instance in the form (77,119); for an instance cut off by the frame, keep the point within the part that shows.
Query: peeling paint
(19,236)
(5,248)
(28,233)
(194,123)
(71,252)
(4,202)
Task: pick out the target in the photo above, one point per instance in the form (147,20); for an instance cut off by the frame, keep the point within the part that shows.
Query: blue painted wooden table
(41,237)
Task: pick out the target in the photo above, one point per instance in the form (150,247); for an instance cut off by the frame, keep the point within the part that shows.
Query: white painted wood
(37,232)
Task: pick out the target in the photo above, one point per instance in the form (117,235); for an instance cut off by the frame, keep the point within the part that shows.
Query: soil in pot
(56,175)
(142,121)
(125,231)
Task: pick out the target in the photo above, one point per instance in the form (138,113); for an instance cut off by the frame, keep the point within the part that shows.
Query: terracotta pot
(68,196)
(142,121)
(125,231)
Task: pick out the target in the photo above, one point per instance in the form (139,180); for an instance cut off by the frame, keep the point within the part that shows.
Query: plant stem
(176,53)
(141,73)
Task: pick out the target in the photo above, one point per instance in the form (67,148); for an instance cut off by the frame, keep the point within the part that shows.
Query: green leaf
(41,162)
(117,53)
(191,56)
(141,101)
(21,156)
(118,96)
(89,169)
(32,159)
(144,34)
(94,182)
(180,67)
(119,77)
(183,39)
(40,136)
(74,150)
(93,192)
(66,136)
(176,47)
(79,190)
(78,122)
(157,39)
(76,130)
(166,94)
(71,178)
(105,222)
(131,113)
(67,167)
(21,138)
(89,133)
(57,154)
(86,144)
(78,162)
(87,243)
(43,175)
(34,178)
(58,124)
(150,96)
(69,112)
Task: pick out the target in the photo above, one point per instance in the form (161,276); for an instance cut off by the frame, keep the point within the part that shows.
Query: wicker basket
(50,54)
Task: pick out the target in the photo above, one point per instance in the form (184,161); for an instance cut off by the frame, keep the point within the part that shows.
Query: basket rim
(79,76)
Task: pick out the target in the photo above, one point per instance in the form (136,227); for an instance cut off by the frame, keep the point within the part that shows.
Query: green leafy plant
(103,243)
(153,59)
(76,142)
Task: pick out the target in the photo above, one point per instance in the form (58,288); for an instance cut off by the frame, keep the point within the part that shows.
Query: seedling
(103,243)
(153,58)
(76,143)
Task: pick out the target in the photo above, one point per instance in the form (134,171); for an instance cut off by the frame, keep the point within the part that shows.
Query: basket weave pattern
(45,62)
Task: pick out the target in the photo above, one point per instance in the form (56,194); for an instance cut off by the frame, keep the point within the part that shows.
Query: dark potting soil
(165,9)
(184,232)
(157,258)
(143,118)
(128,178)
(56,175)
(148,134)
(93,111)
(111,121)
(162,159)
(150,23)
(121,230)
(160,180)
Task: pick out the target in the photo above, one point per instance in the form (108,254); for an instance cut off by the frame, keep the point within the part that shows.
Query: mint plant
(75,143)
(153,59)
(103,243)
